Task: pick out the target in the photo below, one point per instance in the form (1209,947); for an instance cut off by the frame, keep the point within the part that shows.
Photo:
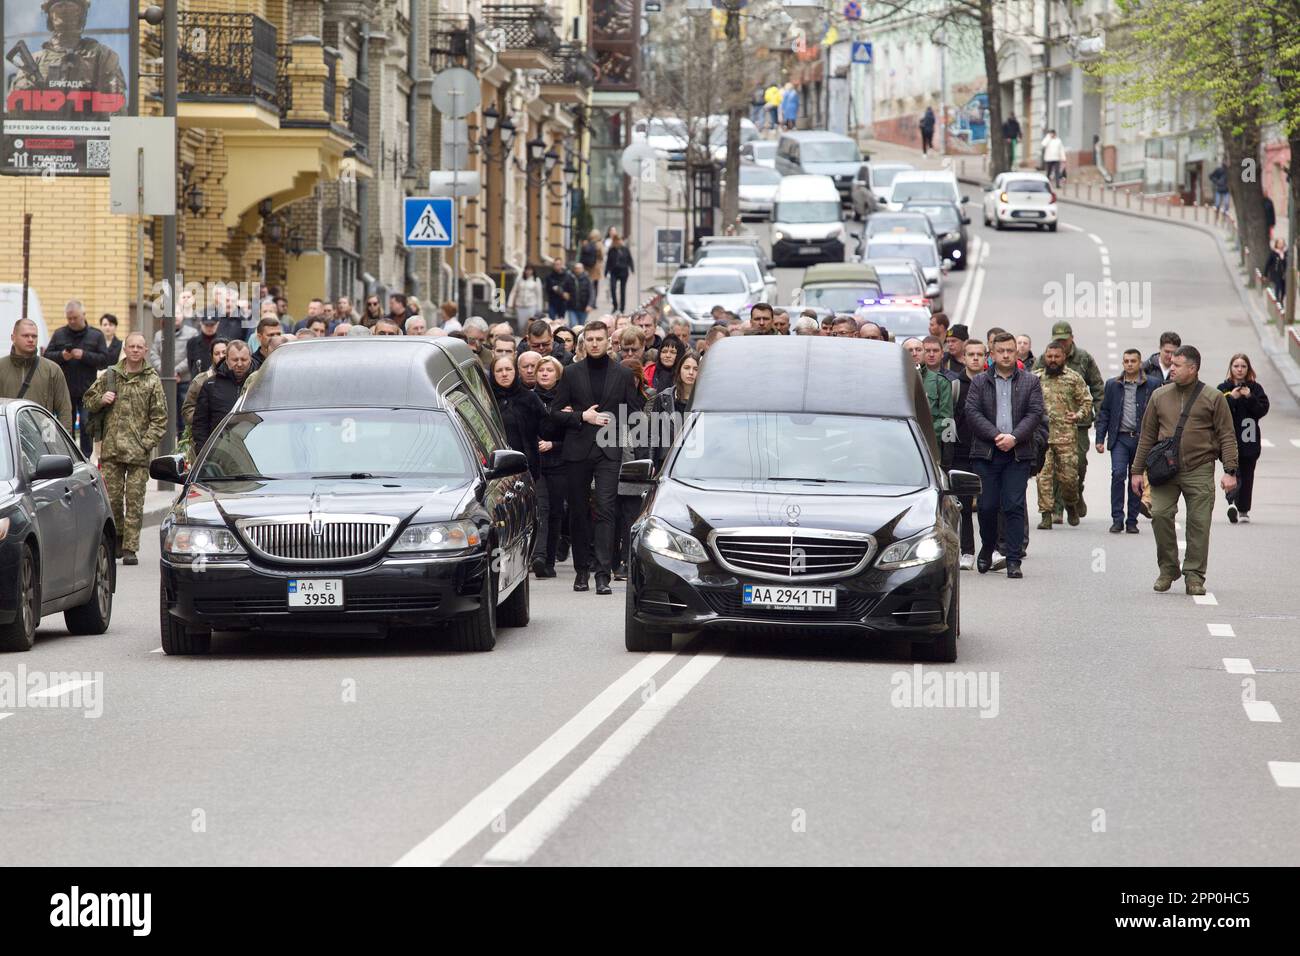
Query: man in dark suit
(590,398)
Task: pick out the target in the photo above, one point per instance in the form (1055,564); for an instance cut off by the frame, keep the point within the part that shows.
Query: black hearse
(802,492)
(359,484)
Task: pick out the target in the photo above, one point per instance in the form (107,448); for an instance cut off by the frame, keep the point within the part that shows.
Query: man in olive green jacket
(47,386)
(135,406)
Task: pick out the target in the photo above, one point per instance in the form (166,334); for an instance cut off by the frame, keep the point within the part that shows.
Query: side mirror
(966,199)
(52,466)
(963,484)
(639,472)
(506,462)
(169,468)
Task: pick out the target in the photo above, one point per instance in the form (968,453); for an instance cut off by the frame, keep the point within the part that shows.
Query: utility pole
(170,33)
(735,70)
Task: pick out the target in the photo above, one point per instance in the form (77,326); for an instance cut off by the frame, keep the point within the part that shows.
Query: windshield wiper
(236,478)
(813,481)
(354,475)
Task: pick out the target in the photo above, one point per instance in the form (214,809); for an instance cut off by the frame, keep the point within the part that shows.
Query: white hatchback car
(1018,198)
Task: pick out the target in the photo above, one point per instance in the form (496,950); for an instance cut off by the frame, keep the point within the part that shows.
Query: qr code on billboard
(97,154)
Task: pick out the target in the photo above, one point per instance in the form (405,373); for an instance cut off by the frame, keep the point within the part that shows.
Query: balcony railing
(575,66)
(227,56)
(283,80)
(356,114)
(526,26)
(331,82)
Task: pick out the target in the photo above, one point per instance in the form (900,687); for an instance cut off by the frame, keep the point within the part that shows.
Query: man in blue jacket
(1122,406)
(1005,412)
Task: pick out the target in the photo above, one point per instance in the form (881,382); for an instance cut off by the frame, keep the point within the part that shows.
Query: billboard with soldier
(67,70)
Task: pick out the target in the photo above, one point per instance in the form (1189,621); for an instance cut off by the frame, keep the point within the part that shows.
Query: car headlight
(662,538)
(952,236)
(911,552)
(202,540)
(837,233)
(778,235)
(437,536)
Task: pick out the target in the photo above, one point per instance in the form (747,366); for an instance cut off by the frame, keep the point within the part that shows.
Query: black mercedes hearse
(359,484)
(802,492)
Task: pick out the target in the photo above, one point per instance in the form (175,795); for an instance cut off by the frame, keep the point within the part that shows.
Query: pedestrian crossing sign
(429,223)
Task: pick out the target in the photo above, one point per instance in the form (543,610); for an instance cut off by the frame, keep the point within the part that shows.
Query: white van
(924,184)
(806,221)
(11,297)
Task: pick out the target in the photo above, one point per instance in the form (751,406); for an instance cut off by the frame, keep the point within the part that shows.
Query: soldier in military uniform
(1068,404)
(130,396)
(71,63)
(1079,361)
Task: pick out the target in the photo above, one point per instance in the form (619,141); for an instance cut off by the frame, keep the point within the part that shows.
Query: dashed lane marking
(1238,665)
(1296,442)
(156,650)
(1096,238)
(1221,630)
(1286,773)
(59,690)
(1261,712)
(1206,598)
(1265,443)
(7,713)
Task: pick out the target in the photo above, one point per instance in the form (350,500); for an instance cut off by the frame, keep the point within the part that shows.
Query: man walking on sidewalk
(1199,423)
(927,131)
(81,352)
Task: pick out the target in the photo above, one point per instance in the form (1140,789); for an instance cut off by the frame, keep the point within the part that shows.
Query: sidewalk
(1281,346)
(157,503)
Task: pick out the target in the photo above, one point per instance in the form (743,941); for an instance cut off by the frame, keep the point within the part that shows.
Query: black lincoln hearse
(802,492)
(358,485)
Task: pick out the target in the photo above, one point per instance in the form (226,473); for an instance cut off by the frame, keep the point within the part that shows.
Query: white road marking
(1296,442)
(1105,259)
(971,267)
(1110,321)
(1238,665)
(1206,598)
(535,829)
(7,713)
(1096,238)
(1286,773)
(1264,442)
(973,306)
(475,816)
(156,650)
(1071,228)
(60,690)
(1261,712)
(1221,630)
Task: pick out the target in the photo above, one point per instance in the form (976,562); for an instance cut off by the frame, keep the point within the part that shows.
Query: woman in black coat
(669,407)
(521,411)
(659,375)
(1248,403)
(552,490)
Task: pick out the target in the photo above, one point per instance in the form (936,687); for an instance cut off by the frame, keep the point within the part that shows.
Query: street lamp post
(170,83)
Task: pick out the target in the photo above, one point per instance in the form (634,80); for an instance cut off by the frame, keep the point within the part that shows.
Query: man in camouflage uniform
(135,418)
(1079,361)
(74,65)
(1068,403)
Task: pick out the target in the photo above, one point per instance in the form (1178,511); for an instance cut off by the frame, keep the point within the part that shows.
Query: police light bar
(898,300)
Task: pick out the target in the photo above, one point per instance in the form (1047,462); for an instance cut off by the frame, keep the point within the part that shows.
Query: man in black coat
(539,338)
(219,393)
(560,291)
(592,397)
(1005,411)
(80,351)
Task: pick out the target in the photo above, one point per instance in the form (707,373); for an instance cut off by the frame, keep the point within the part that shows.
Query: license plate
(809,250)
(316,593)
(764,595)
(1026,214)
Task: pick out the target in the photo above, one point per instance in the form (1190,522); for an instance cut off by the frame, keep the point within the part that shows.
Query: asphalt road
(1109,731)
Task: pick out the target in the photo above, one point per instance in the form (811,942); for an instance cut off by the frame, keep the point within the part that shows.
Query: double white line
(968,299)
(523,840)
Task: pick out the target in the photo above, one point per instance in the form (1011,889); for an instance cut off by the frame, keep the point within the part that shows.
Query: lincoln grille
(318,538)
(799,554)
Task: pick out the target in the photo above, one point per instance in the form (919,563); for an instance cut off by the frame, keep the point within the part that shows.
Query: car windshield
(901,323)
(765,149)
(306,443)
(721,283)
(943,218)
(838,298)
(758,176)
(900,283)
(924,190)
(829,151)
(787,447)
(746,267)
(1027,186)
(923,252)
(667,127)
(911,223)
(797,212)
(884,176)
(727,252)
(6,456)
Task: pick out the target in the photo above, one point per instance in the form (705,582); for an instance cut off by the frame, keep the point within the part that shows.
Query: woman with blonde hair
(1248,404)
(552,488)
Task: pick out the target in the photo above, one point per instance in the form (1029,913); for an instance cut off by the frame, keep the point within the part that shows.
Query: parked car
(760,152)
(1020,199)
(924,184)
(757,190)
(666,135)
(696,290)
(57,537)
(716,135)
(838,286)
(876,186)
(358,485)
(844,524)
(820,153)
(806,223)
(949,221)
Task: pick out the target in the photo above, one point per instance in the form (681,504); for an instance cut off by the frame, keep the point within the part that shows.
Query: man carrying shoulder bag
(1185,429)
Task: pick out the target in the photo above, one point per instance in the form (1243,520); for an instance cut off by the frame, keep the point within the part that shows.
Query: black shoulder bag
(1162,459)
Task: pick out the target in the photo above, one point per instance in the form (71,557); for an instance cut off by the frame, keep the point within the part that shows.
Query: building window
(1064,103)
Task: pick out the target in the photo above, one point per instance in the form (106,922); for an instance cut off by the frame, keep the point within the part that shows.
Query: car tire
(94,616)
(20,633)
(636,636)
(477,631)
(997,224)
(942,649)
(514,610)
(179,638)
(1051,227)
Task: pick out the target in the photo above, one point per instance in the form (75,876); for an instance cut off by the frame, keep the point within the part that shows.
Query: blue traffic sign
(428,223)
(861,52)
